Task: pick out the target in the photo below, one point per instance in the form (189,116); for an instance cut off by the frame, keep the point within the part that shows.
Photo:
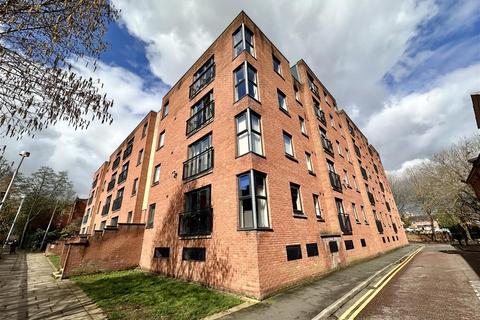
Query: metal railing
(200,118)
(122,176)
(379,226)
(198,164)
(117,204)
(327,146)
(313,87)
(116,162)
(110,185)
(335,181)
(321,116)
(105,209)
(202,80)
(345,225)
(128,151)
(196,223)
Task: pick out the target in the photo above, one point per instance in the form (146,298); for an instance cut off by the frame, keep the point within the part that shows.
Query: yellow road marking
(371,293)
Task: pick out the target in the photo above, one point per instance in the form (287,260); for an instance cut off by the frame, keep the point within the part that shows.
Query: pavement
(441,282)
(307,301)
(28,291)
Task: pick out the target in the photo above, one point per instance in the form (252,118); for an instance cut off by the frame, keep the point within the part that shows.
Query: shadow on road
(471,257)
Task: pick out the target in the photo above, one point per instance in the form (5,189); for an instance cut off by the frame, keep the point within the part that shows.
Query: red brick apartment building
(249,178)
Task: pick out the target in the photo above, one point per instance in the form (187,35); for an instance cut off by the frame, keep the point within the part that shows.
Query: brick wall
(55,248)
(113,249)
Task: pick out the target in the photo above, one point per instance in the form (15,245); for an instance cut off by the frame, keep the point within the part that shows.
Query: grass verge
(133,294)
(55,260)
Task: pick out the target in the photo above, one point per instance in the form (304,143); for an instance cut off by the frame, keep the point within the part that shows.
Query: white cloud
(82,152)
(420,124)
(407,165)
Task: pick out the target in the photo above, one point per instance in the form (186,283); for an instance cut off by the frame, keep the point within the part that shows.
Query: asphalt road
(439,283)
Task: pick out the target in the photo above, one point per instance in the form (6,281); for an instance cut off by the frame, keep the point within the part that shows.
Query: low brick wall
(55,248)
(115,248)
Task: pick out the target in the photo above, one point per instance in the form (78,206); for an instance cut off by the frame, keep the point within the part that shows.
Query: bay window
(252,196)
(249,133)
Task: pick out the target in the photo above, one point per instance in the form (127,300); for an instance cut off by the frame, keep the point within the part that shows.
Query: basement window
(333,246)
(193,254)
(294,252)
(349,244)
(162,252)
(363,242)
(312,249)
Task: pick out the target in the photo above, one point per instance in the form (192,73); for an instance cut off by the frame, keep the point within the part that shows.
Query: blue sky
(403,70)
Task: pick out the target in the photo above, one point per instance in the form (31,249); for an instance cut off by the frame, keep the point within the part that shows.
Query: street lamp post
(23,154)
(14,220)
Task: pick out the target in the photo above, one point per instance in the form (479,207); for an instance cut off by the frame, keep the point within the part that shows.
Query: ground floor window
(294,252)
(193,254)
(252,197)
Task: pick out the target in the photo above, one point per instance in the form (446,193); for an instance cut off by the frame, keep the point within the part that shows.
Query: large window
(288,144)
(156,175)
(243,40)
(197,217)
(308,158)
(151,216)
(252,196)
(296,198)
(245,81)
(277,66)
(201,113)
(200,157)
(249,133)
(316,205)
(204,75)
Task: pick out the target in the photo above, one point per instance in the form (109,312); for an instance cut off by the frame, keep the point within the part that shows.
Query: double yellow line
(364,300)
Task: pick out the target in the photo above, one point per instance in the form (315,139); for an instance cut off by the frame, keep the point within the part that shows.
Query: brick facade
(254,260)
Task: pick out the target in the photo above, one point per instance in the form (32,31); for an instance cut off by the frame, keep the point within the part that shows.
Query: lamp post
(23,154)
(14,220)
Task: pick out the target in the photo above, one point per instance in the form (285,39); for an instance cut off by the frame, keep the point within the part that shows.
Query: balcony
(371,198)
(327,146)
(198,164)
(117,204)
(379,226)
(201,118)
(105,208)
(335,181)
(321,116)
(196,223)
(345,225)
(110,185)
(313,88)
(128,151)
(116,162)
(364,173)
(357,151)
(202,80)
(122,176)
(394,227)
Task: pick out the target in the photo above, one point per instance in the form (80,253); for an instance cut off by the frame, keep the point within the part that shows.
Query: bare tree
(38,39)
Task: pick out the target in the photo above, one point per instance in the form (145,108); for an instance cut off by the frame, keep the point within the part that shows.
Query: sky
(403,70)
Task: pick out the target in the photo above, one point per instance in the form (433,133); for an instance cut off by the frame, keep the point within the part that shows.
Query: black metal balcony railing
(198,164)
(335,181)
(394,227)
(202,80)
(345,224)
(321,116)
(327,146)
(379,226)
(110,185)
(371,198)
(313,88)
(196,223)
(357,151)
(122,176)
(128,151)
(200,118)
(116,162)
(117,204)
(105,209)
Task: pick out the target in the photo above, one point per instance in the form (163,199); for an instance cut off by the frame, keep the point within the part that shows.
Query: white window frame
(250,132)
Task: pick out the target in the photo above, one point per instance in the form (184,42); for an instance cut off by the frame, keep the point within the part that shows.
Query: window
(313,87)
(277,65)
(156,175)
(151,216)
(363,242)
(312,249)
(303,129)
(117,203)
(123,175)
(252,199)
(282,100)
(355,213)
(165,110)
(128,149)
(355,183)
(308,158)
(349,244)
(345,178)
(161,139)
(135,187)
(296,199)
(201,113)
(316,205)
(102,224)
(193,254)
(297,93)
(339,148)
(114,222)
(332,122)
(197,217)
(129,216)
(243,40)
(249,87)
(294,252)
(162,252)
(200,157)
(288,144)
(140,157)
(333,246)
(249,135)
(144,130)
(339,204)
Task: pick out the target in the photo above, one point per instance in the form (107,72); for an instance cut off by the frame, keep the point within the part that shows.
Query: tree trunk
(433,227)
